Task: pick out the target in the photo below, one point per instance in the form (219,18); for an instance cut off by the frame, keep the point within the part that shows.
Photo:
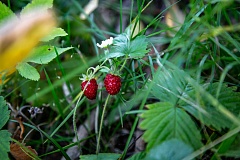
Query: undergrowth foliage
(177,84)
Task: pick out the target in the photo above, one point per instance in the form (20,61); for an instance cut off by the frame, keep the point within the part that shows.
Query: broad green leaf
(4,112)
(169,85)
(173,149)
(5,12)
(228,98)
(138,156)
(101,156)
(45,54)
(43,4)
(4,144)
(138,47)
(56,32)
(28,71)
(164,121)
(5,136)
(123,46)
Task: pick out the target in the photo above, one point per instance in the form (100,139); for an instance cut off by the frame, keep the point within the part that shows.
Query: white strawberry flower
(106,43)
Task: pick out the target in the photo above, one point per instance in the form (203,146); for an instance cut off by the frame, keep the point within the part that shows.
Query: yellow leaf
(19,36)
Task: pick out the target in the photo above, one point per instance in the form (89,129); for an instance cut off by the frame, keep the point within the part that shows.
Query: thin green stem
(120,16)
(124,63)
(101,123)
(9,4)
(74,118)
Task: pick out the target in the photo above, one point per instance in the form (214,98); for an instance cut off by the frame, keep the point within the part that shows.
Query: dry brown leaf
(174,18)
(89,8)
(20,153)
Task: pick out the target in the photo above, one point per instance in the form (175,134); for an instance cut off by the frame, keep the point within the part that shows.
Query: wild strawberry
(112,84)
(91,89)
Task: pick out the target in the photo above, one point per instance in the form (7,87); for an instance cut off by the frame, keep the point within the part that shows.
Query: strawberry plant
(137,80)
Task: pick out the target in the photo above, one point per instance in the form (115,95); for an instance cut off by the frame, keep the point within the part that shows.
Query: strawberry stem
(79,96)
(101,123)
(124,63)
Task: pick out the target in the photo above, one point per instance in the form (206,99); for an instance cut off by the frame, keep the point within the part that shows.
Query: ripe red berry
(91,89)
(112,84)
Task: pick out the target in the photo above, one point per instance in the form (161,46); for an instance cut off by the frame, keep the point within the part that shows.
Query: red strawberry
(91,89)
(112,84)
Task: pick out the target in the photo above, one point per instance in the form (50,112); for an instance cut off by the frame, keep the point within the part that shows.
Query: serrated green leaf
(123,46)
(5,135)
(43,4)
(5,12)
(28,71)
(164,121)
(138,47)
(101,156)
(45,54)
(173,149)
(228,98)
(169,85)
(4,112)
(56,32)
(4,144)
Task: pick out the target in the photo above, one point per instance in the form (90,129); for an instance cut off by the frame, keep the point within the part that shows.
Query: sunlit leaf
(28,71)
(5,12)
(164,121)
(43,4)
(45,54)
(56,32)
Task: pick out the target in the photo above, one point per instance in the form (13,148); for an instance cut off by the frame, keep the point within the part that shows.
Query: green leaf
(112,55)
(28,71)
(5,12)
(4,134)
(4,112)
(138,156)
(123,46)
(4,144)
(169,85)
(101,156)
(228,98)
(173,149)
(164,121)
(56,32)
(138,47)
(233,150)
(43,4)
(45,54)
